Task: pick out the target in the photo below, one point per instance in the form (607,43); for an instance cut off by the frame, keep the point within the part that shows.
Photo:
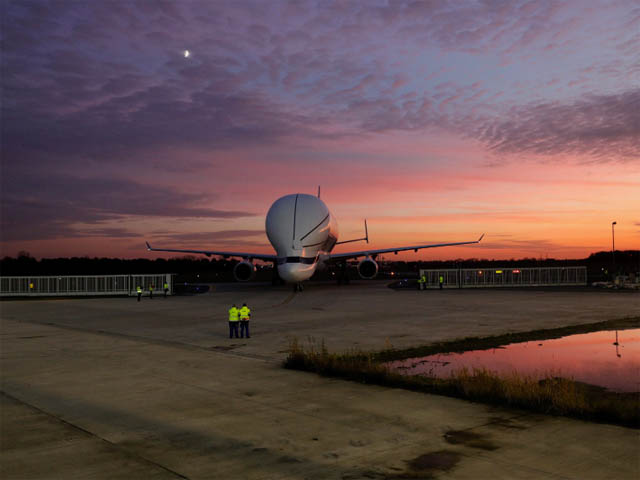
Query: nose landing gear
(298,287)
(275,277)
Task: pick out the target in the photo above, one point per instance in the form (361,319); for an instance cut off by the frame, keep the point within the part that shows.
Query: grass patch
(551,395)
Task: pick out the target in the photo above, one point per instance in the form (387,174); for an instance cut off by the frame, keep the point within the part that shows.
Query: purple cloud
(102,80)
(601,127)
(40,207)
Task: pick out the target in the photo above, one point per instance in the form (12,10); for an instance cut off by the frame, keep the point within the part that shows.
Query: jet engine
(243,271)
(368,268)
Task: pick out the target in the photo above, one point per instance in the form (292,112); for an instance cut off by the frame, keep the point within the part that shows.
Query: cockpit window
(305,260)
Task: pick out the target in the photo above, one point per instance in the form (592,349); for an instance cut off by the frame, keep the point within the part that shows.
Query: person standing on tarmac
(245,316)
(139,290)
(423,282)
(151,291)
(233,321)
(166,289)
(441,279)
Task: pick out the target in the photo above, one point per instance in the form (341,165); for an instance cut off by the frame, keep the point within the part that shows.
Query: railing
(83,285)
(505,277)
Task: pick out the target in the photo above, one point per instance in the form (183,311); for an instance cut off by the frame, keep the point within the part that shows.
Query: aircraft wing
(208,253)
(365,253)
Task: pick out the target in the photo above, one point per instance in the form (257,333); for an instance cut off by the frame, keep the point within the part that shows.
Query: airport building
(505,277)
(84,285)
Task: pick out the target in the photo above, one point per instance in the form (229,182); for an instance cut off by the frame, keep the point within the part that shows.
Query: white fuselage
(301,228)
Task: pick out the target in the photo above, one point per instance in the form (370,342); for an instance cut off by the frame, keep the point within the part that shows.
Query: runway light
(479,272)
(516,271)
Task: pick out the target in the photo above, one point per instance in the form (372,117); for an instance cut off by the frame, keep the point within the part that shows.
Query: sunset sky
(437,121)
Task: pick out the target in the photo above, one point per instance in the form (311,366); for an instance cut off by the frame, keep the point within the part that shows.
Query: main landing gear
(343,276)
(298,287)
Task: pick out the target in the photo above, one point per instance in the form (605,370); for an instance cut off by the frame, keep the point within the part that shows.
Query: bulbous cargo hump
(299,224)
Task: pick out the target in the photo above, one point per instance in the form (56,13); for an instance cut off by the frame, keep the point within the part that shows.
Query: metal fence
(81,285)
(505,277)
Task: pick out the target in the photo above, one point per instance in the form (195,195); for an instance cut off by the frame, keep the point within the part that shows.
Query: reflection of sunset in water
(592,358)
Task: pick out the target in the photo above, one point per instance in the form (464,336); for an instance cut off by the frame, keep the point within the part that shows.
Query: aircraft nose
(295,272)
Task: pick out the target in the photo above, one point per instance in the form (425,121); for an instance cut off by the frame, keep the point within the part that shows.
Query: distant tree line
(600,266)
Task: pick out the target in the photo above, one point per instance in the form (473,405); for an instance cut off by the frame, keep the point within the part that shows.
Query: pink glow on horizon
(526,210)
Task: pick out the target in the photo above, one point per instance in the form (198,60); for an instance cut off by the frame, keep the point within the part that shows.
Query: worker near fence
(139,290)
(245,316)
(441,281)
(151,291)
(234,317)
(422,282)
(166,289)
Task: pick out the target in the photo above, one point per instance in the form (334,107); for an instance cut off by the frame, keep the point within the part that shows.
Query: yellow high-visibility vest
(245,313)
(166,286)
(233,314)
(139,289)
(441,279)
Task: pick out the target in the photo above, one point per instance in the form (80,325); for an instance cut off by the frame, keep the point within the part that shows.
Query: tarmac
(114,388)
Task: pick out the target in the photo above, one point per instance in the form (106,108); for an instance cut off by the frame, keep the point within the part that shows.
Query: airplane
(303,232)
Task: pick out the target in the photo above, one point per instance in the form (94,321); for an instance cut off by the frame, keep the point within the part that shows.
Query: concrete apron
(83,404)
(160,395)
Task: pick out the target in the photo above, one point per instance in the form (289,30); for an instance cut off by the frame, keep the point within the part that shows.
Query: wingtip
(481,237)
(366,231)
(148,246)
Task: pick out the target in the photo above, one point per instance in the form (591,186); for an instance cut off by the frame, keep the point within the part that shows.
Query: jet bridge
(505,277)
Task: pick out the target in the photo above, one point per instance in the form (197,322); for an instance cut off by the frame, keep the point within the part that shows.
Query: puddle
(610,359)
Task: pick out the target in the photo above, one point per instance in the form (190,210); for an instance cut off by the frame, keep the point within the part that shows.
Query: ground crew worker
(245,315)
(151,291)
(139,290)
(441,281)
(166,289)
(423,282)
(233,321)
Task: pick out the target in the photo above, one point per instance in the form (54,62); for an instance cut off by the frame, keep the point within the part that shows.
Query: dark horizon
(599,265)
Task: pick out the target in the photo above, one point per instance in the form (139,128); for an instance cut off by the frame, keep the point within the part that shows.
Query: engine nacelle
(368,268)
(244,271)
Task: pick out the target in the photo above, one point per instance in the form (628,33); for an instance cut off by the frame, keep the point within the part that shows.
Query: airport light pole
(613,248)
